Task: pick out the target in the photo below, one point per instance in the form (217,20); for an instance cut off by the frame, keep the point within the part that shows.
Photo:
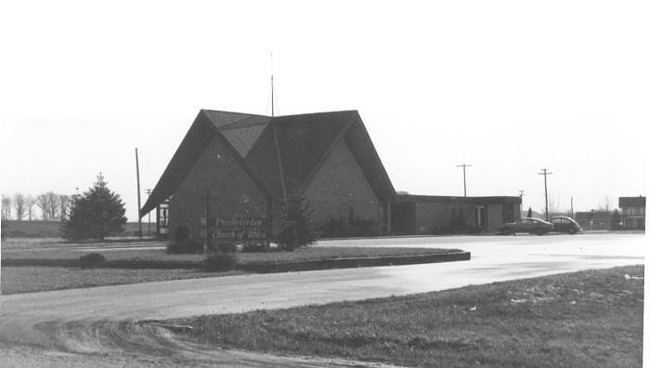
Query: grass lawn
(584,319)
(30,265)
(52,229)
(159,255)
(37,278)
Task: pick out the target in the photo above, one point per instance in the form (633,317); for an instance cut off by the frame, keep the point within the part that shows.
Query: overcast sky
(510,87)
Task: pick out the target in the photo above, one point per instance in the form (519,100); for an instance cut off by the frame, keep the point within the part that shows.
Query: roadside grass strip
(585,319)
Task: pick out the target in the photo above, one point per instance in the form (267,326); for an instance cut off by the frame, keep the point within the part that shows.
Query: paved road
(493,259)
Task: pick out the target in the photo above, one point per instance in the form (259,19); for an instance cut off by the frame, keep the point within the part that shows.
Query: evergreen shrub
(220,261)
(296,224)
(91,260)
(186,246)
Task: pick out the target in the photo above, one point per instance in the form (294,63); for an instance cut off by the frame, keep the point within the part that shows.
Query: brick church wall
(231,190)
(339,186)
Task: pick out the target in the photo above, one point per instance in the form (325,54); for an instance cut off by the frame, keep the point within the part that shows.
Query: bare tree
(49,205)
(64,204)
(553,206)
(41,202)
(6,207)
(604,204)
(19,206)
(30,202)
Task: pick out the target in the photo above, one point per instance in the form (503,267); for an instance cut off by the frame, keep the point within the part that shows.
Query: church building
(233,171)
(237,167)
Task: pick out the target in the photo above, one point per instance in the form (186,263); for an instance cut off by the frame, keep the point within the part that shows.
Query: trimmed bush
(221,261)
(91,260)
(187,246)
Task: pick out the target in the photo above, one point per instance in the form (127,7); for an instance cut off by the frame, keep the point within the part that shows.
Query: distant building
(421,214)
(632,212)
(594,220)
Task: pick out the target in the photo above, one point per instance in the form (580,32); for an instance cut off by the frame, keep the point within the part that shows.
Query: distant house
(632,212)
(424,214)
(594,220)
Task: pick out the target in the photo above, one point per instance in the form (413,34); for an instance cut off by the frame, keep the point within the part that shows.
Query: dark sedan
(526,225)
(565,224)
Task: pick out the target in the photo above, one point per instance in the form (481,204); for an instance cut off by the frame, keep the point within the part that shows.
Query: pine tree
(530,212)
(296,229)
(94,215)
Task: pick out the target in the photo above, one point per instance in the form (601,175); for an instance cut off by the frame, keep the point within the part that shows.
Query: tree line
(20,207)
(94,214)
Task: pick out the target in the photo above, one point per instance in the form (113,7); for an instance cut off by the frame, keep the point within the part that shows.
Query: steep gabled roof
(364,151)
(305,142)
(203,130)
(241,130)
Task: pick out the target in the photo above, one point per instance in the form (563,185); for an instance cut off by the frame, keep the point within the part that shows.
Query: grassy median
(32,265)
(584,319)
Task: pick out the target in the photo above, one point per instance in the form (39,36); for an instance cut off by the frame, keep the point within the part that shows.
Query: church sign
(251,228)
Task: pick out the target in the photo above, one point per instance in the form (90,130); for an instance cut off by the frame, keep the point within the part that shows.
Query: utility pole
(277,146)
(521,201)
(137,173)
(545,172)
(148,191)
(272,98)
(464,178)
(571,206)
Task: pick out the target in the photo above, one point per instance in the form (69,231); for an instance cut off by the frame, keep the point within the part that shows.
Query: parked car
(565,224)
(526,225)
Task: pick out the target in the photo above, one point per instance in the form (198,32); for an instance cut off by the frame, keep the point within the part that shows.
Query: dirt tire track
(136,344)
